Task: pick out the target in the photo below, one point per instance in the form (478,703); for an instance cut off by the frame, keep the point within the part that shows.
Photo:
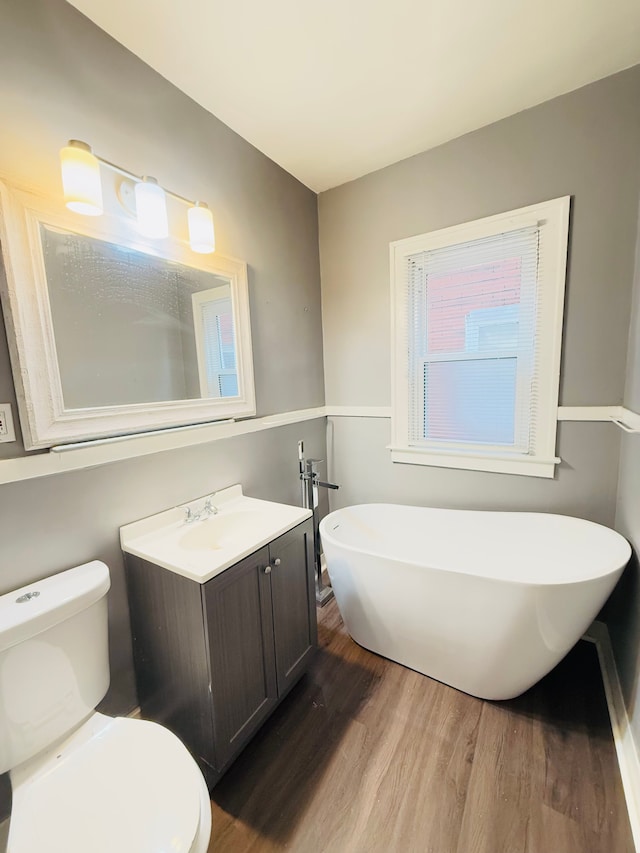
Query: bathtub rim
(498,579)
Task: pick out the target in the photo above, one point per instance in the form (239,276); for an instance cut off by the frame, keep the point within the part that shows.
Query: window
(215,343)
(476,342)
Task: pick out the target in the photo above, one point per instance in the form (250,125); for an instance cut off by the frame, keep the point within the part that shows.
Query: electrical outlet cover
(7,432)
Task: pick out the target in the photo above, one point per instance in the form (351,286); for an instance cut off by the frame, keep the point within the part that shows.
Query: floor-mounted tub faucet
(310,482)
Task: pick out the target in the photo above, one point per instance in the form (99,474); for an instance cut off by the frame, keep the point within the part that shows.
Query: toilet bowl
(84,782)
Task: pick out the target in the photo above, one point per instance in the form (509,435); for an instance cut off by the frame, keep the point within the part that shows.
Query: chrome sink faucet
(206,511)
(209,508)
(190,516)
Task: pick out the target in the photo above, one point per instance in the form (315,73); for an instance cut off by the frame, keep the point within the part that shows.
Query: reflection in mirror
(133,328)
(215,342)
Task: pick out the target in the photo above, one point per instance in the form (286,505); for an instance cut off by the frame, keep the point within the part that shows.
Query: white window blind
(472,315)
(477,330)
(215,343)
(219,348)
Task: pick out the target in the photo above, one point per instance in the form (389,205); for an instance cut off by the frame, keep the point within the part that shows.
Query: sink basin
(201,549)
(221,531)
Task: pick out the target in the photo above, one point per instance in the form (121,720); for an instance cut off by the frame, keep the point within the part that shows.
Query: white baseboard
(628,759)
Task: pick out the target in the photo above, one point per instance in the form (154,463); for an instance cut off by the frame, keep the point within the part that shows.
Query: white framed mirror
(111,333)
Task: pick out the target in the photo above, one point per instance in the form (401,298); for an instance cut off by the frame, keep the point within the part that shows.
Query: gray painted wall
(585,144)
(585,484)
(61,77)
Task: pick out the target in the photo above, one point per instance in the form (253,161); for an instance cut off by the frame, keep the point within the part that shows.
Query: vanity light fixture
(83,194)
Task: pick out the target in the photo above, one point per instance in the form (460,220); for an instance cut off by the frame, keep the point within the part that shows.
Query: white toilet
(83,782)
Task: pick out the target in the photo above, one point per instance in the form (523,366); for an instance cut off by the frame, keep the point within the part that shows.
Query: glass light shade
(81,179)
(151,209)
(201,234)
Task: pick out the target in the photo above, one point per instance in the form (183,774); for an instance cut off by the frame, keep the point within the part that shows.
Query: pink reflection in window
(452,296)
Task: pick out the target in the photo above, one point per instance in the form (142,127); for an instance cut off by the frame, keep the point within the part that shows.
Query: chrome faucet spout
(205,511)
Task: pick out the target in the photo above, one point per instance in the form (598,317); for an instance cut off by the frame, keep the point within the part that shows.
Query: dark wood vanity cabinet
(213,660)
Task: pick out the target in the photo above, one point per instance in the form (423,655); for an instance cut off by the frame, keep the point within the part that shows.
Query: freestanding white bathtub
(487,602)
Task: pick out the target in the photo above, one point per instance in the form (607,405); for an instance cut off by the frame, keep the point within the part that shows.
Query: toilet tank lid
(34,608)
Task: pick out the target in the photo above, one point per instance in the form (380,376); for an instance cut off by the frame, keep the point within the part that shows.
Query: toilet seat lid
(133,788)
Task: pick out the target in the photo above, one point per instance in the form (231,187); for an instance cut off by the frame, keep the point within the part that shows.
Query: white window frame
(539,460)
(198,300)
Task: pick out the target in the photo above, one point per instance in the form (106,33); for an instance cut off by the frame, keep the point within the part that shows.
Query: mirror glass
(133,328)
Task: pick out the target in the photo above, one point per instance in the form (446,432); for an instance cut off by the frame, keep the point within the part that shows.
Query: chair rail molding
(565,413)
(88,454)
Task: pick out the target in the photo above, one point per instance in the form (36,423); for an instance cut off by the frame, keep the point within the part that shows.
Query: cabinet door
(240,636)
(294,603)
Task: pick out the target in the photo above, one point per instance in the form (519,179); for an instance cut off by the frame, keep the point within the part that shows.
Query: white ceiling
(334,89)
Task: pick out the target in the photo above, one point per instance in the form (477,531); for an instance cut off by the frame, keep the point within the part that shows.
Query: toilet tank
(54,659)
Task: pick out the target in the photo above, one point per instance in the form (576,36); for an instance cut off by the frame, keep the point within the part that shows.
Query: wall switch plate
(7,432)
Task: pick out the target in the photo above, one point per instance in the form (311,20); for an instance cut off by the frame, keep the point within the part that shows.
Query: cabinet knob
(277,561)
(267,570)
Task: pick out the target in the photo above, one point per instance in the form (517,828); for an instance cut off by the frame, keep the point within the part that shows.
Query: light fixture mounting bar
(138,178)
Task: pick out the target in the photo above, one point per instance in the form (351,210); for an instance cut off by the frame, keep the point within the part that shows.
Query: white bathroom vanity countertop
(200,550)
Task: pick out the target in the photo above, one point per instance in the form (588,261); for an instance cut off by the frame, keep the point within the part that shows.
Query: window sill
(497,463)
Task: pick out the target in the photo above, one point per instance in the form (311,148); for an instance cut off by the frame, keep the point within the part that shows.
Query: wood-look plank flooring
(366,756)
